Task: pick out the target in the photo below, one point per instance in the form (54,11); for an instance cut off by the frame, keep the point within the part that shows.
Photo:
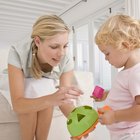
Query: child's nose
(106,58)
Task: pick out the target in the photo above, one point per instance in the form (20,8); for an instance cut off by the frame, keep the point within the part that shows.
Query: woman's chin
(55,64)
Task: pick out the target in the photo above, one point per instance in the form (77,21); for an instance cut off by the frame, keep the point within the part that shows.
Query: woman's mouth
(56,60)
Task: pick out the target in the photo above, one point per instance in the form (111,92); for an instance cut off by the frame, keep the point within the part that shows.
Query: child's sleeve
(134,84)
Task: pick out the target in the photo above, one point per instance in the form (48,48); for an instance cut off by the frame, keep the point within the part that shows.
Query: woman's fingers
(72,90)
(67,94)
(76,89)
(75,92)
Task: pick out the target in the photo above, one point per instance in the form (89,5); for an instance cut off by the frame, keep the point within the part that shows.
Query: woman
(43,57)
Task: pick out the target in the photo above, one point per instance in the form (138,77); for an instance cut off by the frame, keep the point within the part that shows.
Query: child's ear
(126,46)
(37,41)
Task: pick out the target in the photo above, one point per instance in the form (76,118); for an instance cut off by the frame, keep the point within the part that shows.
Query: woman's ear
(37,41)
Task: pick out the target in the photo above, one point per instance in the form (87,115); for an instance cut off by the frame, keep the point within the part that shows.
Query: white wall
(84,9)
(4,49)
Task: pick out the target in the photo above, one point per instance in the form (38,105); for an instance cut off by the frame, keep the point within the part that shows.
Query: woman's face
(52,49)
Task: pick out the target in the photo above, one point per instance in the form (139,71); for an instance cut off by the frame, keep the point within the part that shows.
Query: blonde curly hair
(117,30)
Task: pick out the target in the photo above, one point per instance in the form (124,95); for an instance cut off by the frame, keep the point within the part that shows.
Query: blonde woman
(44,57)
(119,40)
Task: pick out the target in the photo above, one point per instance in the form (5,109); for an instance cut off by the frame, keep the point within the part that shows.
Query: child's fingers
(101,110)
(96,99)
(104,109)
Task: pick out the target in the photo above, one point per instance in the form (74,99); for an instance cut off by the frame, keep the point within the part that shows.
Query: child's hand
(100,99)
(106,117)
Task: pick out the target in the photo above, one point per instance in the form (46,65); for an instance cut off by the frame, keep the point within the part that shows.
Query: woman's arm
(16,84)
(66,81)
(25,105)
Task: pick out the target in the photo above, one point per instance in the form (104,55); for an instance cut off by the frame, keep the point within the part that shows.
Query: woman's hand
(73,138)
(64,95)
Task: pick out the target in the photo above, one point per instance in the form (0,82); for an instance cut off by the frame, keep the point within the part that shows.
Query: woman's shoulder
(20,55)
(68,56)
(22,46)
(67,62)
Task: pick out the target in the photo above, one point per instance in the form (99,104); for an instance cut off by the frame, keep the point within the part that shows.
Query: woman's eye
(66,46)
(53,47)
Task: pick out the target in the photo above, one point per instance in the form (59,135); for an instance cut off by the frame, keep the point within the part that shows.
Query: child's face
(52,49)
(114,56)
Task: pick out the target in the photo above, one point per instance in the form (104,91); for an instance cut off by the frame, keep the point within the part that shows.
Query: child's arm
(125,114)
(110,117)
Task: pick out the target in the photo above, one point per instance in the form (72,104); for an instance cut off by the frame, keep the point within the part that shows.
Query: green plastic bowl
(81,119)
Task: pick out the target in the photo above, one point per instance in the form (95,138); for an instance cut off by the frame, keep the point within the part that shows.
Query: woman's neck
(45,67)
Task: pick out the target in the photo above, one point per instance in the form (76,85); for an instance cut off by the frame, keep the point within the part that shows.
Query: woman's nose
(61,52)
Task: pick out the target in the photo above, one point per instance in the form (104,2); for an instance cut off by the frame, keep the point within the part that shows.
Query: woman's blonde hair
(47,25)
(117,30)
